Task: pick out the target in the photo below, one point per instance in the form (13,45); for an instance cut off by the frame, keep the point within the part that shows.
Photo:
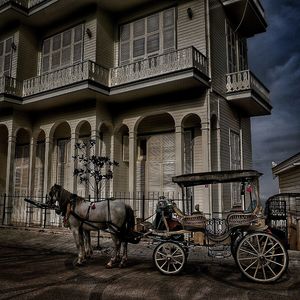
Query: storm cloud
(274,57)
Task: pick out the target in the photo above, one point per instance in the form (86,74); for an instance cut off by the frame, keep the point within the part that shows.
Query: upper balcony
(171,72)
(10,90)
(247,93)
(249,15)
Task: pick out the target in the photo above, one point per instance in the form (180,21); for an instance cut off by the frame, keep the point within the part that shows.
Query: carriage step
(221,251)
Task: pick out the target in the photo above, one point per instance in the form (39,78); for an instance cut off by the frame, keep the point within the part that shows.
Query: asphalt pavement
(40,264)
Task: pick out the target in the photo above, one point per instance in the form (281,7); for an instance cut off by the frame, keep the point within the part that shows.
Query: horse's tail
(130,220)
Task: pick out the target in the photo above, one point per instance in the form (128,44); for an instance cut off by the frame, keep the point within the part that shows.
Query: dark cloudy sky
(274,56)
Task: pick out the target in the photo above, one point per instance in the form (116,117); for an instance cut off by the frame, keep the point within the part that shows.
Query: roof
(216,177)
(292,162)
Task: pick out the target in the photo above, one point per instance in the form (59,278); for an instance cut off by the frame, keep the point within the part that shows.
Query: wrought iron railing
(158,65)
(11,86)
(245,80)
(86,70)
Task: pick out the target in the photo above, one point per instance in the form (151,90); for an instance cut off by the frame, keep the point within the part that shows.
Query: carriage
(259,251)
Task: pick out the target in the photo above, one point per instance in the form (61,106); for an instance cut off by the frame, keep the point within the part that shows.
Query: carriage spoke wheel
(169,258)
(261,257)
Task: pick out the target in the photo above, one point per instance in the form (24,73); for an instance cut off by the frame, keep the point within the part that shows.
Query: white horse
(83,216)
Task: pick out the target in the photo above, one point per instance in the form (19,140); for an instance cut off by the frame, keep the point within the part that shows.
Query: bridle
(51,203)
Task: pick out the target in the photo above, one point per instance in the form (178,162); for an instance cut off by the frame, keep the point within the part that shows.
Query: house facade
(162,86)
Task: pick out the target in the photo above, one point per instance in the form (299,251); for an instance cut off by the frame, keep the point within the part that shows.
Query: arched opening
(156,159)
(21,176)
(192,156)
(121,155)
(84,137)
(38,187)
(61,157)
(3,157)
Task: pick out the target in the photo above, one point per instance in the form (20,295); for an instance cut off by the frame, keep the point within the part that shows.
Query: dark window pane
(45,63)
(78,33)
(169,39)
(153,23)
(8,45)
(125,54)
(125,32)
(139,47)
(67,38)
(46,47)
(55,60)
(66,56)
(168,17)
(139,28)
(56,43)
(1,48)
(153,43)
(7,61)
(77,56)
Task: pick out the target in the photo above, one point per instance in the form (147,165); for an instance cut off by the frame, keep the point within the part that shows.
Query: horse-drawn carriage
(260,254)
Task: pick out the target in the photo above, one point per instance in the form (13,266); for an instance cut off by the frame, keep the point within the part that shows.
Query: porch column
(179,150)
(9,189)
(47,165)
(207,204)
(32,156)
(73,163)
(132,164)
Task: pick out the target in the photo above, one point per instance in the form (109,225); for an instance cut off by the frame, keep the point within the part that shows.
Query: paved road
(37,265)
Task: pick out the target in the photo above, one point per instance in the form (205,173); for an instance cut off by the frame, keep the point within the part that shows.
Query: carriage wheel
(169,258)
(261,257)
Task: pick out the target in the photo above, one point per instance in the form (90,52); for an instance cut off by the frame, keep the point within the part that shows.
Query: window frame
(160,31)
(62,48)
(9,54)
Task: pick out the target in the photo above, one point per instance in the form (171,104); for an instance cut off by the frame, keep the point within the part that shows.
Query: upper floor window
(63,49)
(5,56)
(148,36)
(236,51)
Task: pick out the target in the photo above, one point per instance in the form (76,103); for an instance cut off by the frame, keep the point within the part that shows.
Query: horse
(83,216)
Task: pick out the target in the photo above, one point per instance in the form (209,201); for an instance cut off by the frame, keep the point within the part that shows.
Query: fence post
(143,207)
(45,214)
(4,209)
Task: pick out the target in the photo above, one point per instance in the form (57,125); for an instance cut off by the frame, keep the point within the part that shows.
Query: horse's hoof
(107,266)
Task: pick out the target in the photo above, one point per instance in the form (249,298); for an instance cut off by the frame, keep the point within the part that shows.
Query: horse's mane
(65,198)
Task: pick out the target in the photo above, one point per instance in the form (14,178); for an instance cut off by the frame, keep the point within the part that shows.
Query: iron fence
(15,211)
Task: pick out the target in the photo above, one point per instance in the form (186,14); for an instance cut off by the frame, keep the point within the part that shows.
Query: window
(236,51)
(149,36)
(63,49)
(5,56)
(125,148)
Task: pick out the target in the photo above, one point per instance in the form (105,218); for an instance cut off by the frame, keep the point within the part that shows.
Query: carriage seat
(190,222)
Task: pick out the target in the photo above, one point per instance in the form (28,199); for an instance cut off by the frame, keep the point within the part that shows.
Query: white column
(179,149)
(73,162)
(207,203)
(9,189)
(32,156)
(47,165)
(132,163)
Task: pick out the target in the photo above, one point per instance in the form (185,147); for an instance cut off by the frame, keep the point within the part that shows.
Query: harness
(112,228)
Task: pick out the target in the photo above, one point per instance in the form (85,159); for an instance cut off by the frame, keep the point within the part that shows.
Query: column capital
(179,129)
(11,139)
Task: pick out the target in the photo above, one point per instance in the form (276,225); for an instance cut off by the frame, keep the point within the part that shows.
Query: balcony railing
(158,65)
(10,86)
(245,80)
(87,70)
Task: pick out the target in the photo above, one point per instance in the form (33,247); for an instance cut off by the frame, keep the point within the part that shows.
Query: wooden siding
(218,46)
(192,32)
(289,182)
(105,40)
(27,54)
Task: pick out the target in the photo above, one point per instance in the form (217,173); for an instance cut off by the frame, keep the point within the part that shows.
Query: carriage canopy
(193,179)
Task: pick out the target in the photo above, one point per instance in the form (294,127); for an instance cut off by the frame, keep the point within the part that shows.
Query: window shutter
(169,29)
(125,148)
(139,48)
(125,44)
(1,57)
(5,56)
(139,28)
(66,51)
(78,43)
(153,23)
(153,43)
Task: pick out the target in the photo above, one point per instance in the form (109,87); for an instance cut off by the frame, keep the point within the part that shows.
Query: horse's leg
(124,255)
(116,254)
(87,244)
(78,237)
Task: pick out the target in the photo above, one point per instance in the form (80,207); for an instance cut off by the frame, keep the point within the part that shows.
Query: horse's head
(54,195)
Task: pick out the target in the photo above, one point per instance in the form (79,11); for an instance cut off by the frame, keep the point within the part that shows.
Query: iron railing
(11,86)
(246,80)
